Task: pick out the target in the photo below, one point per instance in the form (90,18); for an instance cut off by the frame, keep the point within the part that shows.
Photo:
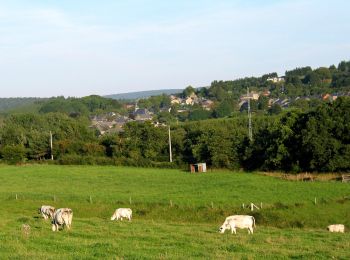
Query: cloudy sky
(83,47)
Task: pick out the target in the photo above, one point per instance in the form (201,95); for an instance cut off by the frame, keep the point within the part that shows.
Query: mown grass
(176,214)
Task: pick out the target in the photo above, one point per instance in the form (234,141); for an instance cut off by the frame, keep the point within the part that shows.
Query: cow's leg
(251,230)
(233,229)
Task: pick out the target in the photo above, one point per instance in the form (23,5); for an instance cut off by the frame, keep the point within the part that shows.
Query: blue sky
(78,48)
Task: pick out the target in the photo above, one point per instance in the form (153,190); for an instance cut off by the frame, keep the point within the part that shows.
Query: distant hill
(144,94)
(7,104)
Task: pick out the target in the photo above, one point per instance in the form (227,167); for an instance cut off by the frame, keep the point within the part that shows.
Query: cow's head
(224,227)
(113,217)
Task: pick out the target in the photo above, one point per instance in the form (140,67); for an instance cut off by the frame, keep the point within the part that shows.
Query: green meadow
(176,215)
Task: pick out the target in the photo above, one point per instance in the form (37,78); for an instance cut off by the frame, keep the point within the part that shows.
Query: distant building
(275,79)
(266,93)
(252,96)
(207,104)
(129,106)
(189,101)
(175,100)
(142,114)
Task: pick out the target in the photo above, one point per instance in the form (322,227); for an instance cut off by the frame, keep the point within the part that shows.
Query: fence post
(212,205)
(16,197)
(90,199)
(130,200)
(171,203)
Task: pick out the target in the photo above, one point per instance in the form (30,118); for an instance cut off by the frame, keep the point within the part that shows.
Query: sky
(85,47)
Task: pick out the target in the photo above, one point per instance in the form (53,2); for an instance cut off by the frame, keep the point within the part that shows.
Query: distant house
(266,93)
(175,100)
(102,127)
(142,114)
(275,79)
(189,101)
(252,96)
(207,104)
(108,123)
(129,106)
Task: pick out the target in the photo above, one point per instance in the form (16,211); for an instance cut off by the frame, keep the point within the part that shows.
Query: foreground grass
(176,215)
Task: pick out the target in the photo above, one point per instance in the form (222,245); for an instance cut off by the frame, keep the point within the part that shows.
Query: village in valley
(113,122)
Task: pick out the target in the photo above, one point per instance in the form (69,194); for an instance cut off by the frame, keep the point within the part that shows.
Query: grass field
(176,215)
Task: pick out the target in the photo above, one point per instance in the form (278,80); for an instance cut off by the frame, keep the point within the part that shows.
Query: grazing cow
(62,217)
(336,228)
(122,213)
(238,221)
(46,211)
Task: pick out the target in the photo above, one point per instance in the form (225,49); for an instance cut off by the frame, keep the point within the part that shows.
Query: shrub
(13,153)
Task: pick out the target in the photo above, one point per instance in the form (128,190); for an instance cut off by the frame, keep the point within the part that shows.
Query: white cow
(336,228)
(62,217)
(238,221)
(46,211)
(122,213)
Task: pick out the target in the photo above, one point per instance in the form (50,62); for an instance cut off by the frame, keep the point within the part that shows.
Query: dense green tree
(312,79)
(263,102)
(188,91)
(275,109)
(199,114)
(13,153)
(225,108)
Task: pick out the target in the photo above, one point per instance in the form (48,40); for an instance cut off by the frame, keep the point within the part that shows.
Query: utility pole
(51,145)
(170,153)
(250,130)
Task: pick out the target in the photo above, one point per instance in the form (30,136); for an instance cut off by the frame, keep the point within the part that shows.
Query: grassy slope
(186,230)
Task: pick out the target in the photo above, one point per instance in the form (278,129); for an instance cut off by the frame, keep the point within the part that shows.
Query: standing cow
(47,212)
(62,217)
(122,213)
(238,221)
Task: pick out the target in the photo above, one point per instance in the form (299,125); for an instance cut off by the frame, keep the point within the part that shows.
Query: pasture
(176,215)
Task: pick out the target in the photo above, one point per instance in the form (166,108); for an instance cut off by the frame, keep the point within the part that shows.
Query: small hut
(198,167)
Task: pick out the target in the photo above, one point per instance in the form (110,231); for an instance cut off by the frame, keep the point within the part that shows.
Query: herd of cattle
(63,218)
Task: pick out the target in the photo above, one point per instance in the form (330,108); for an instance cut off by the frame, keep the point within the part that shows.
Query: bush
(74,159)
(13,153)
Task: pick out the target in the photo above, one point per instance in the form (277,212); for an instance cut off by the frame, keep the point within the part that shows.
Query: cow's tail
(253,221)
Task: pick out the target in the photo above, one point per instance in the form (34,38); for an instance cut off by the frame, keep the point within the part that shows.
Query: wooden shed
(198,167)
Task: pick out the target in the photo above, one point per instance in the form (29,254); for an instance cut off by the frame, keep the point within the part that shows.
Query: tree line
(316,140)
